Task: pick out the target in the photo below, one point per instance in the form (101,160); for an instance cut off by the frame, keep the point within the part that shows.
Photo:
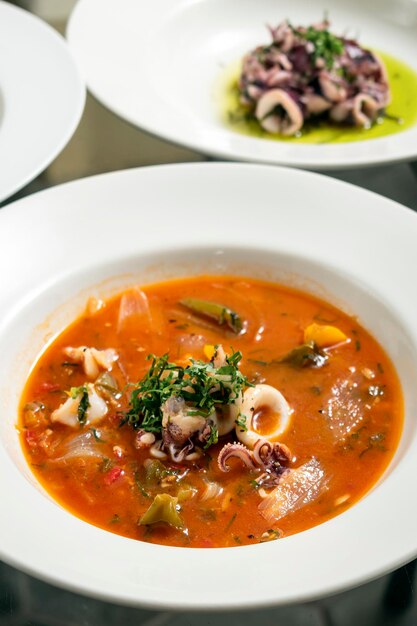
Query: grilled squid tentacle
(237,451)
(265,453)
(342,111)
(273,458)
(332,87)
(315,104)
(365,110)
(277,112)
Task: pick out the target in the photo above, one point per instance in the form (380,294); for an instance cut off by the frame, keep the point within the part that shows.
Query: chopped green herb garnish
(257,361)
(150,393)
(84,403)
(202,386)
(357,345)
(74,392)
(241,422)
(140,486)
(326,45)
(213,437)
(230,522)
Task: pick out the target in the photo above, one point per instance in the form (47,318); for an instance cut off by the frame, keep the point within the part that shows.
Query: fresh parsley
(203,387)
(241,422)
(326,45)
(84,403)
(213,437)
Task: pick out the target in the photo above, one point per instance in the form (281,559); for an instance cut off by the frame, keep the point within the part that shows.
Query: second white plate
(157,64)
(41,97)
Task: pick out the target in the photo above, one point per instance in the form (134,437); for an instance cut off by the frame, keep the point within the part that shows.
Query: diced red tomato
(32,438)
(113,475)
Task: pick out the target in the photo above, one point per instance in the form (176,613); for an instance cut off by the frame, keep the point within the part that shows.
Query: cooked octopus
(183,434)
(272,458)
(306,73)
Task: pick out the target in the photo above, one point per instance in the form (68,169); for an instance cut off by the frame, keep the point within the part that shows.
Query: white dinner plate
(159,65)
(96,235)
(41,97)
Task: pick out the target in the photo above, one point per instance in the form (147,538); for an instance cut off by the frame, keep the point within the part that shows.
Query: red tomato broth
(112,492)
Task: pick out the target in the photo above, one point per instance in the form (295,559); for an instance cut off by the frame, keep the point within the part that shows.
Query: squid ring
(253,399)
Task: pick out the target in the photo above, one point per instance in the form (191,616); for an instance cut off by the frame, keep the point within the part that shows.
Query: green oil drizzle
(400,114)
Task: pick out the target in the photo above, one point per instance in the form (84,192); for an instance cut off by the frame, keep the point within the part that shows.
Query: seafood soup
(210,411)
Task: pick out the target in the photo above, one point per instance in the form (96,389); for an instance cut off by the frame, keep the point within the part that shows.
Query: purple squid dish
(308,74)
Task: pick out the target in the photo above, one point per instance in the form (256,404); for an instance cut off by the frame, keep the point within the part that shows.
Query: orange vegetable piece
(324,335)
(209,351)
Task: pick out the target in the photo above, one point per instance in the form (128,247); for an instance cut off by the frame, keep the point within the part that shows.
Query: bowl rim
(309,196)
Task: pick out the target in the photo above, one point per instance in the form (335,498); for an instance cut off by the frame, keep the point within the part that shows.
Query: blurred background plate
(41,97)
(159,66)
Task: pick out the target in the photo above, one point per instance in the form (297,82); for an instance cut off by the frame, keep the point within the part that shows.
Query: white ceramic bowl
(96,235)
